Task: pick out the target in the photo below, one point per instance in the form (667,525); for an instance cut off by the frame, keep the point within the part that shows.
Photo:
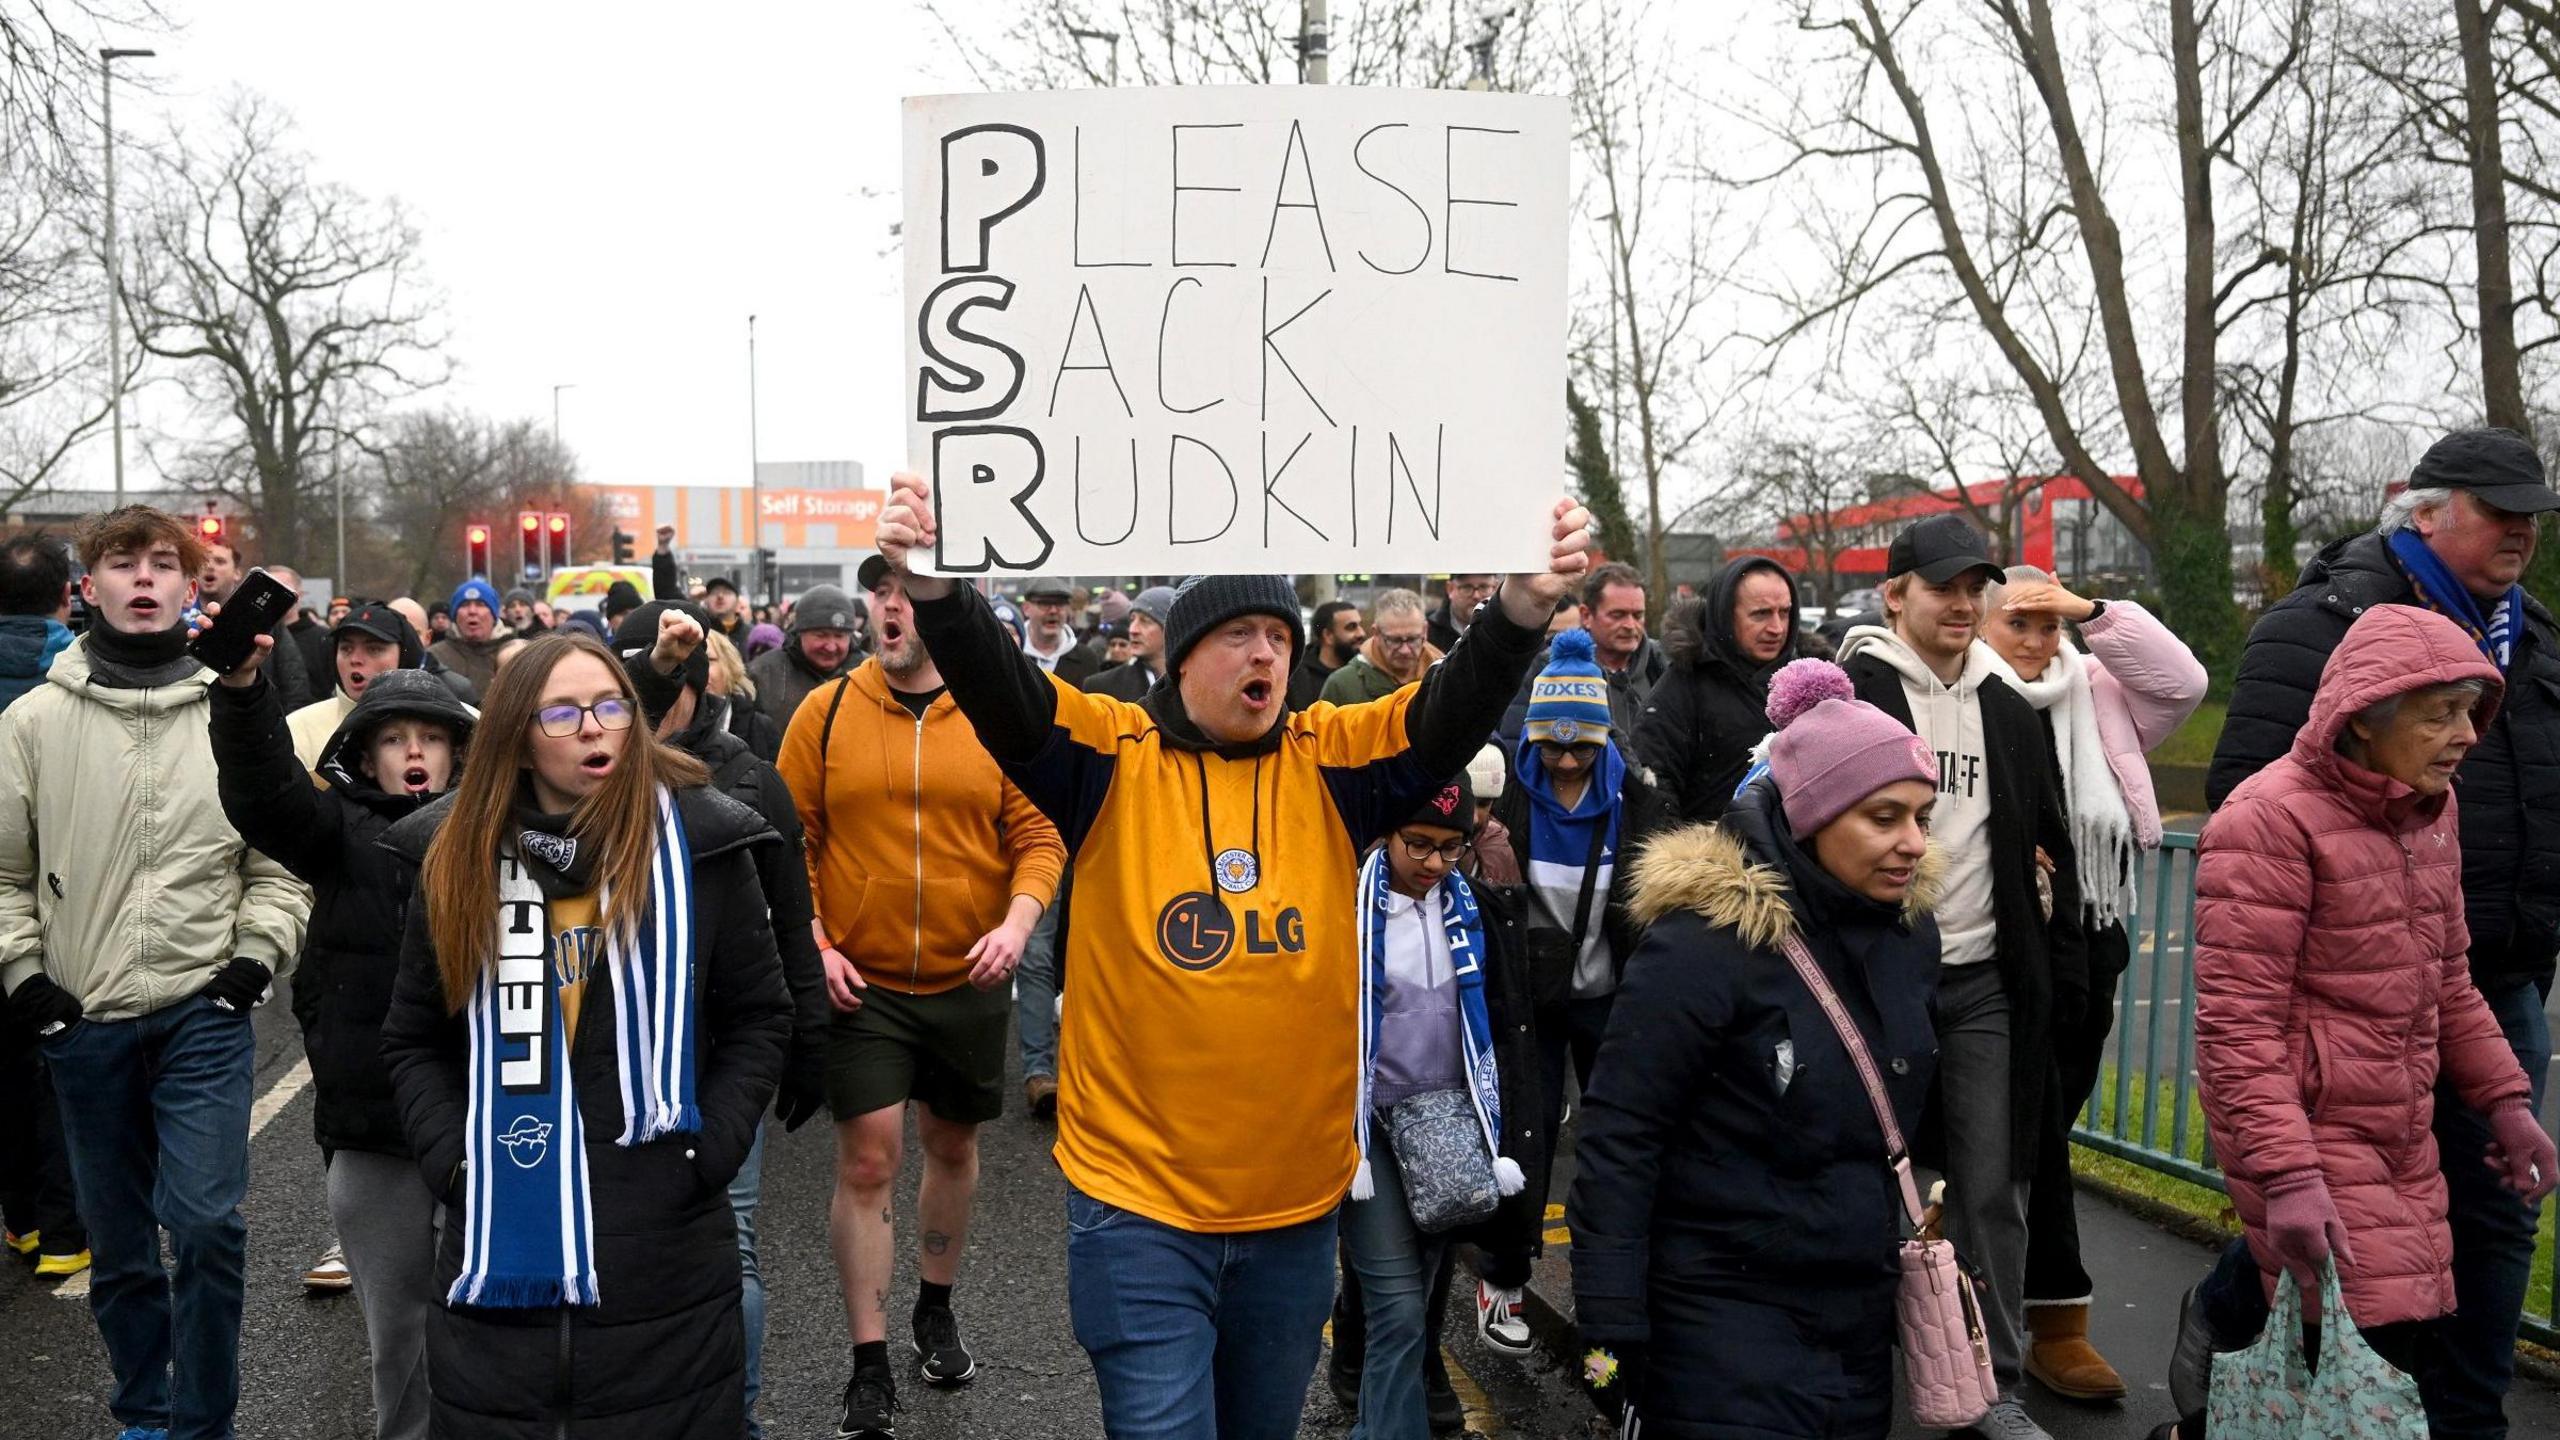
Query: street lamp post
(115,269)
(755,479)
(555,410)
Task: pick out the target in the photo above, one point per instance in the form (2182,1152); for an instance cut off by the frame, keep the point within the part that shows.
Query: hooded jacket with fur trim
(1726,1146)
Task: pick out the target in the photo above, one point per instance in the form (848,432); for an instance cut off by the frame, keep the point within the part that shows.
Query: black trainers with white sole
(870,1405)
(942,1359)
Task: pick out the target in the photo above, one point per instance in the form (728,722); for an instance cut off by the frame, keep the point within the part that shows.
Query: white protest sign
(1237,330)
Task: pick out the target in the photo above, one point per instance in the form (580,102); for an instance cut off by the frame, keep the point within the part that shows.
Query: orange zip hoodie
(917,843)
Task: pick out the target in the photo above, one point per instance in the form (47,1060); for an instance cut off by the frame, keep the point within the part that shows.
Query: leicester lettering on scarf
(1236,329)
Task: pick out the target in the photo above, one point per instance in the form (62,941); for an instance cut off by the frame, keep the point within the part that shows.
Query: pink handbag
(1946,1354)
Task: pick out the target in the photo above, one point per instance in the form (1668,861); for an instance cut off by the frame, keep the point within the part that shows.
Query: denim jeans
(1195,1336)
(2492,1237)
(744,1192)
(1035,995)
(155,1115)
(1395,1264)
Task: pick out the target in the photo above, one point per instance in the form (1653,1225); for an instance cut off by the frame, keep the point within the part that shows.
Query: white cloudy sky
(607,194)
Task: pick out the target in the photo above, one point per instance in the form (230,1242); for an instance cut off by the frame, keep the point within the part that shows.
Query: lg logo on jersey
(1195,932)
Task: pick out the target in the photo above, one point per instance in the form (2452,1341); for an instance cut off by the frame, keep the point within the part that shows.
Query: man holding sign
(1211,1062)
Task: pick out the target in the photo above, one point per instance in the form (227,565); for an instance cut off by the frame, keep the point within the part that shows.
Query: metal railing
(2145,1109)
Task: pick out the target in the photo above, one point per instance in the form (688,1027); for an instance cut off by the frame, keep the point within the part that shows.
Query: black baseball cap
(720,582)
(380,622)
(2494,463)
(1938,550)
(875,568)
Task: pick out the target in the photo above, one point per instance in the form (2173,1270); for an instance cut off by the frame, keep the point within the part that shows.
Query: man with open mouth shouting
(1209,1067)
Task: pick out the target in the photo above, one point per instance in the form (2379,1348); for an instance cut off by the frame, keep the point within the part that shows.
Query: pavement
(303,1359)
(304,1367)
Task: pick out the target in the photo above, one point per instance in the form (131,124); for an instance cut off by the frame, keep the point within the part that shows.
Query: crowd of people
(569,903)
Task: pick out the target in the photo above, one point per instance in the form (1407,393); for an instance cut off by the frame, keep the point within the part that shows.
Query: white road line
(291,1083)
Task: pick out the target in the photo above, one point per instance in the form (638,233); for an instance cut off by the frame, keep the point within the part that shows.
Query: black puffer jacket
(1551,956)
(784,870)
(1701,1177)
(360,892)
(662,1357)
(2509,785)
(1700,722)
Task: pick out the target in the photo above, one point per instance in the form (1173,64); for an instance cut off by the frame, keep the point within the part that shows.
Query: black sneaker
(870,1405)
(946,1361)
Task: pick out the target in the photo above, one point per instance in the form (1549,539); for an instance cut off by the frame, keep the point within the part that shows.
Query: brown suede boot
(2061,1357)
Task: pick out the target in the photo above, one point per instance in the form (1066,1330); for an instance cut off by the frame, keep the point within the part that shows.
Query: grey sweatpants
(387,1224)
(1986,1213)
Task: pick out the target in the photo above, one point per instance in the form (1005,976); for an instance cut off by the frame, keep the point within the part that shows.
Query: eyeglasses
(561,721)
(1557,750)
(1416,848)
(1400,642)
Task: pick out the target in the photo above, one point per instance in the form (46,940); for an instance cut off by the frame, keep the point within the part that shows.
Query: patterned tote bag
(2267,1392)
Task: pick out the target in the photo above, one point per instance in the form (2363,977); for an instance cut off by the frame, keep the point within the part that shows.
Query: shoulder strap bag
(1946,1353)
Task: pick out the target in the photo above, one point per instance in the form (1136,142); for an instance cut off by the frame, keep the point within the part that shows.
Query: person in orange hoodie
(929,869)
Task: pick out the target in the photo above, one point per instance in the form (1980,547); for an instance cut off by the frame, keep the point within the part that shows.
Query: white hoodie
(1949,717)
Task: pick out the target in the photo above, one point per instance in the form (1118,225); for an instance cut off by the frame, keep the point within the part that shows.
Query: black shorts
(945,1049)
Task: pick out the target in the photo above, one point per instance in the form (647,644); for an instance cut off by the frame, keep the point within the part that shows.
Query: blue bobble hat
(1569,701)
(475,589)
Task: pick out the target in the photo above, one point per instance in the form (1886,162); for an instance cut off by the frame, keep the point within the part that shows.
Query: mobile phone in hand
(253,609)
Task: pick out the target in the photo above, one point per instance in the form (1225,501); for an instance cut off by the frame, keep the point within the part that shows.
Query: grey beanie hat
(824,607)
(1206,602)
(1156,603)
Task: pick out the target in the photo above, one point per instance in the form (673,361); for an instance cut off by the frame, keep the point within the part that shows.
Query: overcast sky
(605,199)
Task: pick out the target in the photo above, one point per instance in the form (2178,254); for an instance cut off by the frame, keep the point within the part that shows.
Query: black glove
(43,1007)
(1619,1379)
(239,985)
(803,1092)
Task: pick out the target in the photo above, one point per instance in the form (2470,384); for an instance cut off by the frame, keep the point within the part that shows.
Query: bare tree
(1993,204)
(289,310)
(437,471)
(49,76)
(55,391)
(1050,44)
(1645,336)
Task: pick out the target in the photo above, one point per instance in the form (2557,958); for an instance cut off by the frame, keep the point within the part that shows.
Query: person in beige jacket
(137,931)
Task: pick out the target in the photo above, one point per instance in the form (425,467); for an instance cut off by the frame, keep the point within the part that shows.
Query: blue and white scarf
(2494,633)
(1460,922)
(528,1219)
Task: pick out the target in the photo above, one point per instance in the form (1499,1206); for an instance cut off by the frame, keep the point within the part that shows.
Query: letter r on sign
(983,479)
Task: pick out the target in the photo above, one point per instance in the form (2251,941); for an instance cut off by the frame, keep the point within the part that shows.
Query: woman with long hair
(590,1019)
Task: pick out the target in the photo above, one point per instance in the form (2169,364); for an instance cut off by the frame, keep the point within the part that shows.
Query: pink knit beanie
(1833,749)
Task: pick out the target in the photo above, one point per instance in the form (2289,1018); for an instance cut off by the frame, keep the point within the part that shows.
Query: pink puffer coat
(2331,979)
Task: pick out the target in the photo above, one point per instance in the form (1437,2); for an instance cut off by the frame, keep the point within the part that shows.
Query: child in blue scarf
(1426,1045)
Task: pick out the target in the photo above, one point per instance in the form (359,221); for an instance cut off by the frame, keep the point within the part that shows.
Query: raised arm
(266,794)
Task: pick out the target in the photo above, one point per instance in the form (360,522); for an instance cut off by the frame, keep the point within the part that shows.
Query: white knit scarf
(2101,822)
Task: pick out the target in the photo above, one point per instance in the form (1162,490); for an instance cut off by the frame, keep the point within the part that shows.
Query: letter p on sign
(988,172)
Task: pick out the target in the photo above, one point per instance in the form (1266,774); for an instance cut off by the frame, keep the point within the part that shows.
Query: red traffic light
(530,521)
(559,524)
(477,534)
(210,527)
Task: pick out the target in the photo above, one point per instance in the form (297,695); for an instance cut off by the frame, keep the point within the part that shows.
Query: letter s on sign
(941,318)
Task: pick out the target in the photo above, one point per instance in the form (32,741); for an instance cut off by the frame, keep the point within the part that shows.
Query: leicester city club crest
(1565,732)
(1237,871)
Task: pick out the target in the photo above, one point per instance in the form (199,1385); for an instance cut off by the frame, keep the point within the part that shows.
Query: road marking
(288,1085)
(1481,1420)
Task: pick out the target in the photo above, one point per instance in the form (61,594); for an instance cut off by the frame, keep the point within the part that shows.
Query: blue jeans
(744,1192)
(2492,1237)
(1395,1263)
(155,1115)
(1197,1337)
(1035,996)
